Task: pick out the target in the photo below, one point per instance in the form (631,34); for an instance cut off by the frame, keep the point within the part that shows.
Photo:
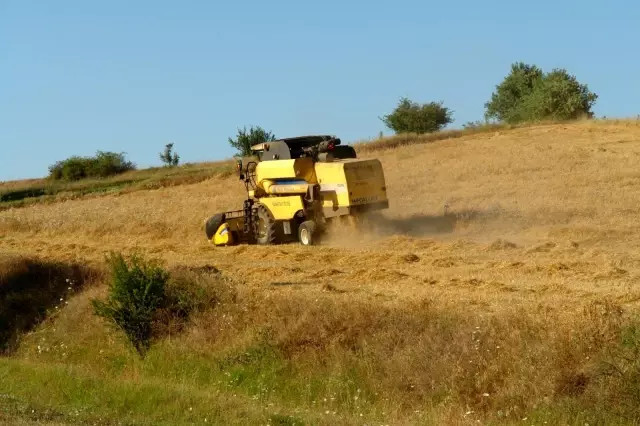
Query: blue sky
(131,76)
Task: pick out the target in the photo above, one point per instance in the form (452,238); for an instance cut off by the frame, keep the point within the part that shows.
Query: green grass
(62,393)
(65,393)
(23,193)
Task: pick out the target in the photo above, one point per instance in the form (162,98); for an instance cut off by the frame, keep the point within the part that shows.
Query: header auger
(295,187)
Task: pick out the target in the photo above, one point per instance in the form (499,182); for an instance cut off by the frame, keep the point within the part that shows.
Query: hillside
(488,292)
(571,186)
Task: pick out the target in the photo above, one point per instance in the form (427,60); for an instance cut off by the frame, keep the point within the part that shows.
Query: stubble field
(498,288)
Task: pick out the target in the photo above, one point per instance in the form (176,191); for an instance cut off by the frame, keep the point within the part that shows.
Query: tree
(561,97)
(507,101)
(102,165)
(169,158)
(528,94)
(245,140)
(411,117)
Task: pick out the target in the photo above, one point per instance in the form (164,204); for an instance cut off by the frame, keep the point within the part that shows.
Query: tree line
(526,94)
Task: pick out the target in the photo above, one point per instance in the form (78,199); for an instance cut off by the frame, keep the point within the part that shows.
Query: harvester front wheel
(266,229)
(212,225)
(307,233)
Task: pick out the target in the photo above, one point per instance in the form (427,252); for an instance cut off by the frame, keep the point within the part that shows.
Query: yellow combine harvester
(295,188)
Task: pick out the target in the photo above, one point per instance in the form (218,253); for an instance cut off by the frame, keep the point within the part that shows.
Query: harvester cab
(295,187)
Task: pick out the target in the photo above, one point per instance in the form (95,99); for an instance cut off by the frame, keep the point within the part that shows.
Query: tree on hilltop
(412,117)
(507,101)
(246,139)
(529,94)
(169,157)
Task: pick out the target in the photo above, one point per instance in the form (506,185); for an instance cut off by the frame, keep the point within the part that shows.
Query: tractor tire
(266,226)
(212,225)
(307,233)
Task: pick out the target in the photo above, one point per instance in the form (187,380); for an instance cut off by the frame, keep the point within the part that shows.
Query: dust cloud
(477,224)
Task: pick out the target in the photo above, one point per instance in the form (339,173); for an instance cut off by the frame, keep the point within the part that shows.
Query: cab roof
(297,141)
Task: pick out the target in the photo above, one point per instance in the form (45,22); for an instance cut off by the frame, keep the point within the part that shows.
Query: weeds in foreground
(618,374)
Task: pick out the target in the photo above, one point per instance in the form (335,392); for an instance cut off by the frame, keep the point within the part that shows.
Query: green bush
(103,164)
(246,139)
(136,293)
(528,94)
(411,117)
(146,302)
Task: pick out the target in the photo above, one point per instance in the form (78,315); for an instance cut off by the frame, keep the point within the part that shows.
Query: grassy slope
(514,295)
(27,192)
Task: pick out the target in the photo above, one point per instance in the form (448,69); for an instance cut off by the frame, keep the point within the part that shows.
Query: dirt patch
(31,290)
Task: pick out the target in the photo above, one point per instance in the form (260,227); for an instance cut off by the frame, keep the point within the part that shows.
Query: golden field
(502,271)
(535,214)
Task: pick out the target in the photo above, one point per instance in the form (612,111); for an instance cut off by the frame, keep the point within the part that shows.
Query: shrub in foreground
(136,292)
(103,164)
(146,302)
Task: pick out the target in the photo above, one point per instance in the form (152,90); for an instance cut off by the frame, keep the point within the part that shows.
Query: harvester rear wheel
(212,225)
(266,229)
(307,233)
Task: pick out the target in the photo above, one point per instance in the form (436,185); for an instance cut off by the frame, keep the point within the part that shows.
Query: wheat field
(484,294)
(528,215)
